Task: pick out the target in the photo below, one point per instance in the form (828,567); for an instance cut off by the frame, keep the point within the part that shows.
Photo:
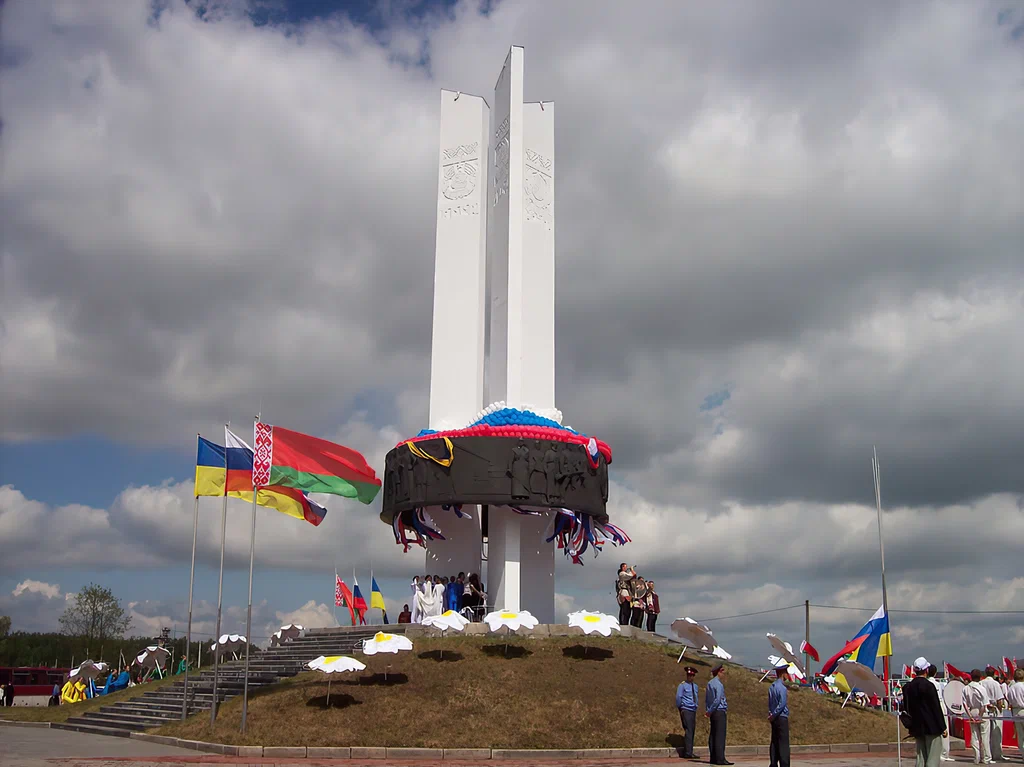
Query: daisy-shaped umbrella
(334,664)
(511,620)
(448,620)
(381,642)
(88,670)
(777,662)
(785,650)
(590,622)
(228,643)
(857,676)
(283,634)
(154,657)
(697,636)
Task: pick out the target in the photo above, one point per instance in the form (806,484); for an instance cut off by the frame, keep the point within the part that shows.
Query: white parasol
(448,620)
(860,677)
(953,697)
(590,622)
(154,657)
(698,637)
(512,620)
(89,670)
(228,643)
(334,664)
(776,663)
(285,633)
(785,651)
(381,642)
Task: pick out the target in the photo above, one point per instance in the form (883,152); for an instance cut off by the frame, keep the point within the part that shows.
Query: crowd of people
(637,599)
(435,594)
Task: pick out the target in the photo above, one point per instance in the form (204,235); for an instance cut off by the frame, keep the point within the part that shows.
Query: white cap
(921,664)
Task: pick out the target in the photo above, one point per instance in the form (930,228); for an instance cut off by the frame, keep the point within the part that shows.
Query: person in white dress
(415,586)
(996,702)
(439,596)
(425,598)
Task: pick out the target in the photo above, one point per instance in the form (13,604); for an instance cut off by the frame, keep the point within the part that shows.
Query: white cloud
(48,590)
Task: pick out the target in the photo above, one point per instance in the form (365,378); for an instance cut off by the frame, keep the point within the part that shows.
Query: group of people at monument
(637,599)
(436,594)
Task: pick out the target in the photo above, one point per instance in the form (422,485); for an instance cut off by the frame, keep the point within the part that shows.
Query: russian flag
(357,599)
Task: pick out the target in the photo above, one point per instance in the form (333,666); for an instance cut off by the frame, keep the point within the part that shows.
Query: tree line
(93,626)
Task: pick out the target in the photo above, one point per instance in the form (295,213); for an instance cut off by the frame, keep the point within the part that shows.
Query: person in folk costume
(415,586)
(623,587)
(653,607)
(639,602)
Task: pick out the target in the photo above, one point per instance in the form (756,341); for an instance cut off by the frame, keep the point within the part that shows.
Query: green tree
(5,625)
(95,614)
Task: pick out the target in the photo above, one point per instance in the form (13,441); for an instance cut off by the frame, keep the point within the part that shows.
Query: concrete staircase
(157,707)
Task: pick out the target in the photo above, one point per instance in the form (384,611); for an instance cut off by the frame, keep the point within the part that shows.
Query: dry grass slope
(546,693)
(62,713)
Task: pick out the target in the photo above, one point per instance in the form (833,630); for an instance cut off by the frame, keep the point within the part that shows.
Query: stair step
(146,721)
(113,724)
(91,728)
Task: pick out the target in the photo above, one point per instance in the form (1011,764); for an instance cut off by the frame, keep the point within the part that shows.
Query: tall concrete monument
(496,459)
(494,311)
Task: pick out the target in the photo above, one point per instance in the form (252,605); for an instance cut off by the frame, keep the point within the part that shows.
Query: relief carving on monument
(538,186)
(459,171)
(501,160)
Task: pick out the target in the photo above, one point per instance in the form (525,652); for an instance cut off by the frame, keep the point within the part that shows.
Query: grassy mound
(63,712)
(565,692)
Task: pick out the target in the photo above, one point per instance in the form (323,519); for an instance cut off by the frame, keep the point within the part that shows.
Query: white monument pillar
(457,352)
(520,315)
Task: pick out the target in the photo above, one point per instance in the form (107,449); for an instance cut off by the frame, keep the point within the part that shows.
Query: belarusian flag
(290,459)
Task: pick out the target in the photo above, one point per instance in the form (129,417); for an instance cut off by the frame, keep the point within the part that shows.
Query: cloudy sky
(787,232)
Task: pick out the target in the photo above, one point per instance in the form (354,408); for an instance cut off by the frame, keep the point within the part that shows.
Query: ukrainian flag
(212,475)
(376,598)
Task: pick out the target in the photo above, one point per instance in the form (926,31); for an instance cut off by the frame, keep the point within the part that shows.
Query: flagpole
(220,588)
(191,583)
(877,472)
(248,617)
(336,597)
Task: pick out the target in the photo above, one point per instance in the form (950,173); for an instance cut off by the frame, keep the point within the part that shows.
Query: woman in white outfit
(425,598)
(415,586)
(438,596)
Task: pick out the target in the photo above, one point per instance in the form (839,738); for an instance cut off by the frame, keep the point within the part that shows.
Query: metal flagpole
(248,617)
(876,470)
(188,630)
(877,473)
(220,588)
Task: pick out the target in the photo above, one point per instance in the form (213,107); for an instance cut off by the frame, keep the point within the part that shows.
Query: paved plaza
(42,747)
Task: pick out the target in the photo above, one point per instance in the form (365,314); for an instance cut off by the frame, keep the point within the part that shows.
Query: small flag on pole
(357,599)
(808,648)
(345,598)
(377,599)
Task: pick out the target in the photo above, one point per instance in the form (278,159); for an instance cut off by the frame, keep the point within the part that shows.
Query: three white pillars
(494,311)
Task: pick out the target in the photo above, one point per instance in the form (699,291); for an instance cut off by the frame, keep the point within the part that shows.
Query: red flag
(1008,666)
(953,671)
(343,597)
(830,665)
(907,671)
(807,647)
